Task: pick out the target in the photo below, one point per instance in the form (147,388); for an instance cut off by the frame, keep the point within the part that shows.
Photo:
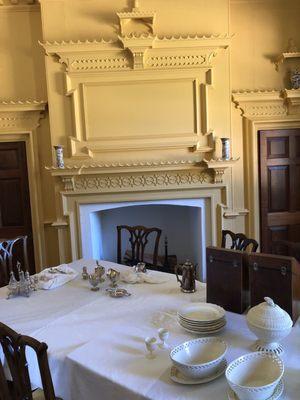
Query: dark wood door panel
(15,211)
(278,147)
(279,167)
(278,183)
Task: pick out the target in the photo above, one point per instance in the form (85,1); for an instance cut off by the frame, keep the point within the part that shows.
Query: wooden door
(15,214)
(279,153)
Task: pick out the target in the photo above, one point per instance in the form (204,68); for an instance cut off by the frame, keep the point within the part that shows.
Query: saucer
(178,377)
(275,396)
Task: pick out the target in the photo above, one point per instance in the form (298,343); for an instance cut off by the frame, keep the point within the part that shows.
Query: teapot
(188,280)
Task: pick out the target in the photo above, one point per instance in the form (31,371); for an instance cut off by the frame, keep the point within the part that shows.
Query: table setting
(128,340)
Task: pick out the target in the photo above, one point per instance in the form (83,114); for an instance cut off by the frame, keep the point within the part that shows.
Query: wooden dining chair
(19,387)
(138,239)
(11,251)
(239,241)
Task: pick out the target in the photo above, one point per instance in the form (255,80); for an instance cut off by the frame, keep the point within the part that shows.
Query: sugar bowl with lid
(270,324)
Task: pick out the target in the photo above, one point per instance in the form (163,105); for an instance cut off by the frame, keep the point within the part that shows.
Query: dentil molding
(138,52)
(260,103)
(21,114)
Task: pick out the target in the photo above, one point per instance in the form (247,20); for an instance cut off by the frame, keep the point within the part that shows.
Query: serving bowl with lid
(255,376)
(199,358)
(270,324)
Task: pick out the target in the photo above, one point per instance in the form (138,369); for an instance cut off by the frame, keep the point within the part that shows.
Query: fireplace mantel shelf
(99,168)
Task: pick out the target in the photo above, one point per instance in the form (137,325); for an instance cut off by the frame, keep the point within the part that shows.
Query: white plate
(201,323)
(202,312)
(197,329)
(199,326)
(178,377)
(202,332)
(276,395)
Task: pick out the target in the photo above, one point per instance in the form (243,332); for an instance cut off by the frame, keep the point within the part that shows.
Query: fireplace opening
(182,223)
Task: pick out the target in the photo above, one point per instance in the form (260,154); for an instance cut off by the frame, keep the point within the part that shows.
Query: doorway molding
(260,110)
(19,121)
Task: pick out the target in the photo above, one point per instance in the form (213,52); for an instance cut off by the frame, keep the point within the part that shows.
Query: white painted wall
(183,221)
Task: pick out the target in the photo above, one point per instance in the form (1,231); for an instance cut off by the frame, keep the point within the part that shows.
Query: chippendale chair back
(138,239)
(239,241)
(9,255)
(19,388)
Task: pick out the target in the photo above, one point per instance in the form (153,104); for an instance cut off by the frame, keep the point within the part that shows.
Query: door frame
(19,123)
(251,159)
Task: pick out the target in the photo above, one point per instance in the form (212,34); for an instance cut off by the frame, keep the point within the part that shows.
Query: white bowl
(199,358)
(255,376)
(268,339)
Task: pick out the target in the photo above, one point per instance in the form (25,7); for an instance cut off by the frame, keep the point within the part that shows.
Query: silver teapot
(188,279)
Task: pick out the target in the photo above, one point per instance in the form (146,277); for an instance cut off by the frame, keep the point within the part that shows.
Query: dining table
(96,343)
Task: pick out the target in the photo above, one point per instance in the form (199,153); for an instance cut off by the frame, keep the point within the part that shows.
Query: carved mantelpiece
(94,181)
(218,167)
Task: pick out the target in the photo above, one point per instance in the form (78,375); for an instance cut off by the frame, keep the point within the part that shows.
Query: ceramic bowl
(199,358)
(268,339)
(270,324)
(255,376)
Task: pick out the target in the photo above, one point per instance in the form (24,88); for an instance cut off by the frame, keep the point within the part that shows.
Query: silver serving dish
(118,292)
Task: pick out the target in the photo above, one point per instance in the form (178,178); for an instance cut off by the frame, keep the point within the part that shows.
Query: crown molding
(21,114)
(260,103)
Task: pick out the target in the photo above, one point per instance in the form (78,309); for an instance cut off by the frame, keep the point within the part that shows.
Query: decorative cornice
(260,103)
(292,97)
(82,169)
(22,105)
(21,114)
(137,181)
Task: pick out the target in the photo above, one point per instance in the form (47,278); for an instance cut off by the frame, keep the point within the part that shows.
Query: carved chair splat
(8,256)
(138,239)
(239,241)
(14,348)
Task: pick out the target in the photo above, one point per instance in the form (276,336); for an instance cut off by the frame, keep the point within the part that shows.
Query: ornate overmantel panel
(160,86)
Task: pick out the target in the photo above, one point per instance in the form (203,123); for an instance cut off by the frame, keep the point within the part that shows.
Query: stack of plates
(202,318)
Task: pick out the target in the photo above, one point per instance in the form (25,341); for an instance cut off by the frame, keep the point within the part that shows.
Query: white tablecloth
(96,343)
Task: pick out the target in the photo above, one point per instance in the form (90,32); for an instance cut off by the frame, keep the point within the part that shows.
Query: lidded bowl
(270,324)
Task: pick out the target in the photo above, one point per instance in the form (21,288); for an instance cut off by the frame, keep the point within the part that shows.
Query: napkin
(59,276)
(141,277)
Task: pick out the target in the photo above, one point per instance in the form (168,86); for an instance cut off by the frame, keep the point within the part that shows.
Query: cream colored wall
(261,29)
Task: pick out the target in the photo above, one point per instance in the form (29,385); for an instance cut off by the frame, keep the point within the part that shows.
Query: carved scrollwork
(137,181)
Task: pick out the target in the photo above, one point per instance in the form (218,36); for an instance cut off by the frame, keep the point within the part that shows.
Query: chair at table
(239,241)
(19,387)
(11,251)
(138,239)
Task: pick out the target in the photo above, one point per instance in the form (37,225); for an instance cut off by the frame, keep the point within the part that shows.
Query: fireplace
(182,221)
